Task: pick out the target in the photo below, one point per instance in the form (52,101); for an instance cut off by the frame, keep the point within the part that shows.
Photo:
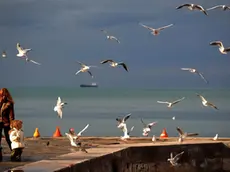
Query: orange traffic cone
(36,133)
(57,133)
(164,134)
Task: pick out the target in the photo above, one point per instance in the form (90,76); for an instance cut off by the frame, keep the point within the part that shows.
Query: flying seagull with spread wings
(174,160)
(157,30)
(115,64)
(110,37)
(193,7)
(223,7)
(4,55)
(206,103)
(195,71)
(84,68)
(59,106)
(147,127)
(22,53)
(170,104)
(221,47)
(183,135)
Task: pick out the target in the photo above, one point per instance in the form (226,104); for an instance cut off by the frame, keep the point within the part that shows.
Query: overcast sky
(60,32)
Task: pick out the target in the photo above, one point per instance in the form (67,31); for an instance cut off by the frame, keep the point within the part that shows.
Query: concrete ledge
(135,157)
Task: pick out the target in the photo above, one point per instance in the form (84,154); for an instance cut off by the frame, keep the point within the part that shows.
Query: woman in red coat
(6,115)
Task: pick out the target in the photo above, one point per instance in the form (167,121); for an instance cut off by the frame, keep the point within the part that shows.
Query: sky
(61,32)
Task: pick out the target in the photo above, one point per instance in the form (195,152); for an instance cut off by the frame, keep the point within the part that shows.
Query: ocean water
(100,107)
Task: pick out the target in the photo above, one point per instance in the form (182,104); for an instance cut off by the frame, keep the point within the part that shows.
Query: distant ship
(89,85)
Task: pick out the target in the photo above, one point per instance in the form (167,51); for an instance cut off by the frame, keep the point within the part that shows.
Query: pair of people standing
(12,128)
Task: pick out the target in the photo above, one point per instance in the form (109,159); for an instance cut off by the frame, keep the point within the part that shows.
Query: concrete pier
(109,154)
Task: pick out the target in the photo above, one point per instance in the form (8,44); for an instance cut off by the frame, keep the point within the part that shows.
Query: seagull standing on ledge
(115,64)
(126,132)
(170,104)
(110,37)
(193,7)
(59,106)
(192,70)
(206,103)
(223,7)
(174,160)
(155,31)
(221,47)
(84,68)
(216,137)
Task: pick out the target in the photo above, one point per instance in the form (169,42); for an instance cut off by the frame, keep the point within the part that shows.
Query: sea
(99,107)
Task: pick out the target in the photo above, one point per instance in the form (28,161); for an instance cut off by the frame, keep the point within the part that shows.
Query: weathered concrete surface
(113,155)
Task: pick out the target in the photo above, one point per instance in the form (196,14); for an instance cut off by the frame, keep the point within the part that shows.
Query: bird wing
(212,8)
(180,131)
(152,124)
(83,130)
(104,31)
(113,37)
(192,134)
(199,7)
(105,61)
(171,155)
(69,137)
(143,123)
(90,73)
(227,49)
(161,28)
(184,5)
(202,98)
(82,64)
(186,69)
(177,101)
(78,72)
(35,62)
(126,117)
(202,76)
(219,43)
(212,105)
(131,130)
(147,27)
(178,156)
(162,102)
(124,66)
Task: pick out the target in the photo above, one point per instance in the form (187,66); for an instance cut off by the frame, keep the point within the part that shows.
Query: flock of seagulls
(74,138)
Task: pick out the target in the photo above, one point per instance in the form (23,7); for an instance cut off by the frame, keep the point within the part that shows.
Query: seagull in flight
(59,106)
(223,7)
(193,7)
(121,122)
(170,104)
(221,47)
(183,135)
(84,68)
(76,136)
(115,64)
(4,54)
(174,160)
(22,53)
(74,143)
(155,31)
(206,103)
(147,127)
(195,71)
(110,37)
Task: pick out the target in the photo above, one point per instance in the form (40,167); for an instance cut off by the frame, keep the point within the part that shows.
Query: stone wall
(211,157)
